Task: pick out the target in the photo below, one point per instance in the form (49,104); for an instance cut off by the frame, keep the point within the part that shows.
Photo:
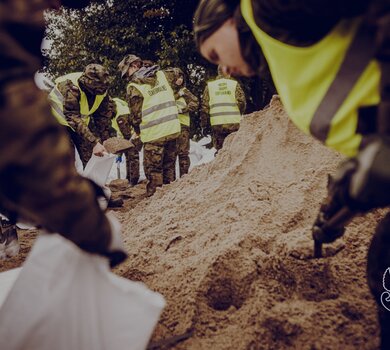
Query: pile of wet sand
(218,245)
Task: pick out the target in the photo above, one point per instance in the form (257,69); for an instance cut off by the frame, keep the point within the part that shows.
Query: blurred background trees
(157,30)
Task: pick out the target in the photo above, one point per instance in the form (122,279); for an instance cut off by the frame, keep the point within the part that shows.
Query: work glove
(369,185)
(359,185)
(116,252)
(99,150)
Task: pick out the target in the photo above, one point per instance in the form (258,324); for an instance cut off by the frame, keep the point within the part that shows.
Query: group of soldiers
(329,61)
(156,115)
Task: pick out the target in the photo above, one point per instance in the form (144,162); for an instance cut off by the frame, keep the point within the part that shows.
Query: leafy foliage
(104,33)
(157,30)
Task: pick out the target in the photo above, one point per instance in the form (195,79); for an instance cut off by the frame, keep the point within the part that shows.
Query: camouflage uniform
(132,155)
(183,141)
(38,180)
(99,129)
(160,155)
(220,132)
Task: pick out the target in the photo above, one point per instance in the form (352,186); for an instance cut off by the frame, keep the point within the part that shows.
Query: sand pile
(218,243)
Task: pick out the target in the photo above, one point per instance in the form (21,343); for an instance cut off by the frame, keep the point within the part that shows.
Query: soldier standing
(80,101)
(223,103)
(121,123)
(154,116)
(186,103)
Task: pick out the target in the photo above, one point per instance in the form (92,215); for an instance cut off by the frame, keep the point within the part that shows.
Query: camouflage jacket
(205,105)
(38,180)
(191,100)
(106,110)
(135,99)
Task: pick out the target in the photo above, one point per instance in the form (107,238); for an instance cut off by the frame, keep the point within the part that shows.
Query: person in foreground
(38,180)
(330,64)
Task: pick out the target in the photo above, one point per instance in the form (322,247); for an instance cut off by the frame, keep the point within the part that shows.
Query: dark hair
(210,15)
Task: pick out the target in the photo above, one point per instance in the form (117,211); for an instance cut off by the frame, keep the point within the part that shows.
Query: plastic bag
(98,168)
(67,299)
(7,280)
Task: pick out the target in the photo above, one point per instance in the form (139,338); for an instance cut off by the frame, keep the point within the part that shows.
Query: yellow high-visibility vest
(159,110)
(223,103)
(122,108)
(323,86)
(57,100)
(184,118)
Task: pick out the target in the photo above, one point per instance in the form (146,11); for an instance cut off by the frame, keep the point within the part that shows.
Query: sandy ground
(219,244)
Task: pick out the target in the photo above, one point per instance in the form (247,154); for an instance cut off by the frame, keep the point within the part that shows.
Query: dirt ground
(221,243)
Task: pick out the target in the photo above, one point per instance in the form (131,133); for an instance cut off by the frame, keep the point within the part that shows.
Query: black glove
(369,185)
(359,185)
(325,229)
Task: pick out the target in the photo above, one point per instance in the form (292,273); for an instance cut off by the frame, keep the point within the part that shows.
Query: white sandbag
(7,280)
(98,168)
(67,299)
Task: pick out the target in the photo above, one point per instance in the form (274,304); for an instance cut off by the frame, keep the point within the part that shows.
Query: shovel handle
(317,249)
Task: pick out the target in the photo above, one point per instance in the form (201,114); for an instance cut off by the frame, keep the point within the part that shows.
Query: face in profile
(223,48)
(179,81)
(134,66)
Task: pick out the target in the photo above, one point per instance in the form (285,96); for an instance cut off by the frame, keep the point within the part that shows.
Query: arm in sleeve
(240,98)
(172,77)
(72,112)
(135,100)
(124,125)
(205,109)
(103,118)
(191,100)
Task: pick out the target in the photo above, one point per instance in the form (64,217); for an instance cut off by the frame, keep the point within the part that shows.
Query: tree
(105,33)
(158,30)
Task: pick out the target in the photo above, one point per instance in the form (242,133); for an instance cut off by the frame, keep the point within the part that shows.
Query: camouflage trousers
(132,166)
(378,262)
(183,150)
(159,164)
(221,132)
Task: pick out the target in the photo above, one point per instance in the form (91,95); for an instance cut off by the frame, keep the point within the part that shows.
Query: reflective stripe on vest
(56,100)
(223,104)
(323,86)
(122,108)
(159,110)
(184,118)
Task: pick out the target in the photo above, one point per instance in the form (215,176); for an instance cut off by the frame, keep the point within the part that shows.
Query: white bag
(67,299)
(7,280)
(98,168)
